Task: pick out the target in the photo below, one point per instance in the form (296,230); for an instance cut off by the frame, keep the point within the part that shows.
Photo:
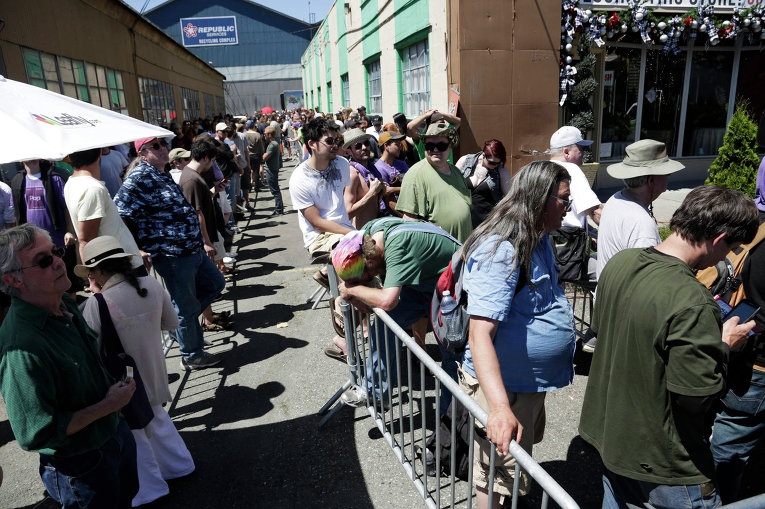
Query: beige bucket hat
(97,250)
(644,157)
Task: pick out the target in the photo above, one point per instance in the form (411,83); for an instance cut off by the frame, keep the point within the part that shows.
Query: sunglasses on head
(441,146)
(46,260)
(360,144)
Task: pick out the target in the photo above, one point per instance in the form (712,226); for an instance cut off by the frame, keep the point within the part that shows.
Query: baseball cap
(221,126)
(387,136)
(568,135)
(179,153)
(249,124)
(140,143)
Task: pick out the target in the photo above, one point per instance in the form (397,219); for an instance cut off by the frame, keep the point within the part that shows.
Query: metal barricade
(404,429)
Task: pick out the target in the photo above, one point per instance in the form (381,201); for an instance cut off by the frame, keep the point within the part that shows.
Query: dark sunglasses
(360,144)
(332,141)
(491,163)
(47,260)
(156,145)
(441,146)
(567,203)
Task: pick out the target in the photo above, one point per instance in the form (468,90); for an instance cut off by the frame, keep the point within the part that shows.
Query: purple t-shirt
(389,173)
(37,207)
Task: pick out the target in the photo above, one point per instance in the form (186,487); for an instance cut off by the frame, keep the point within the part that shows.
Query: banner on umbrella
(210,31)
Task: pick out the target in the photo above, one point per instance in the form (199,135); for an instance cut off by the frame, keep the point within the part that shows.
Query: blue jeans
(739,428)
(272,178)
(106,477)
(232,192)
(193,282)
(620,492)
(413,304)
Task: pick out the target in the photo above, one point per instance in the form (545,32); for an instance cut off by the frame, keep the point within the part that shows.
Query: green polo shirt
(50,368)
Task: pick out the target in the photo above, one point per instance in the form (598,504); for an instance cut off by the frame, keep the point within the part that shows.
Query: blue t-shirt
(535,336)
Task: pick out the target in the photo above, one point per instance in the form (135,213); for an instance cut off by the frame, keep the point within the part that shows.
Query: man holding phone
(661,357)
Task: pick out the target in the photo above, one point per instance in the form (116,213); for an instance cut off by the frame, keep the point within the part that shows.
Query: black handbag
(137,412)
(570,245)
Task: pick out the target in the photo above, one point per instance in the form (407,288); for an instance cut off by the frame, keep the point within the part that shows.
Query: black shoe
(276,213)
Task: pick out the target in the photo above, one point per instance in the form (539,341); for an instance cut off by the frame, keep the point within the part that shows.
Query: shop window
(346,91)
(662,97)
(157,101)
(751,76)
(415,78)
(620,90)
(708,94)
(84,81)
(190,104)
(374,88)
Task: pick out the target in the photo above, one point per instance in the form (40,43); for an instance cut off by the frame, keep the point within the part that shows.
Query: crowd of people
(389,206)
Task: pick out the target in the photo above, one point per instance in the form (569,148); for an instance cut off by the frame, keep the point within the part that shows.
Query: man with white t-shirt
(627,220)
(93,211)
(566,149)
(316,188)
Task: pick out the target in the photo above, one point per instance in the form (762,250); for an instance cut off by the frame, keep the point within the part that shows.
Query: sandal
(335,353)
(212,327)
(336,315)
(222,316)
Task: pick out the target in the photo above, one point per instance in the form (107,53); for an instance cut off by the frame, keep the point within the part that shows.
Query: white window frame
(415,100)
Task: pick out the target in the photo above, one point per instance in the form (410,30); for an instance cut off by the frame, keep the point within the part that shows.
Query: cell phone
(745,310)
(128,374)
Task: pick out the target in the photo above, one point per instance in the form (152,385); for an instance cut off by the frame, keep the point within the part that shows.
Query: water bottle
(449,318)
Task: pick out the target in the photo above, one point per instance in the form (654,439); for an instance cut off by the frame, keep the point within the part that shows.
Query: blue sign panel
(212,31)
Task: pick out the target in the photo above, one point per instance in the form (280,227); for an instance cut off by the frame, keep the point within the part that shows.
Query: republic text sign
(721,6)
(212,31)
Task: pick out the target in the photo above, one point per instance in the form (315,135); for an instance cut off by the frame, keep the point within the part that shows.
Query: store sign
(213,31)
(721,6)
(608,78)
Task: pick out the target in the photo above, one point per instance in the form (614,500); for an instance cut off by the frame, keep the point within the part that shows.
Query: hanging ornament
(756,25)
(676,34)
(663,38)
(569,48)
(694,25)
(639,15)
(610,34)
(569,60)
(661,25)
(747,21)
(624,28)
(703,28)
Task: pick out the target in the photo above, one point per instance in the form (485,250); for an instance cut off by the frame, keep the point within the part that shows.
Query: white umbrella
(39,124)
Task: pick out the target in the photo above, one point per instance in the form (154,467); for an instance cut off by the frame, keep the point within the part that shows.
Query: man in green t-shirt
(61,402)
(409,256)
(660,361)
(434,189)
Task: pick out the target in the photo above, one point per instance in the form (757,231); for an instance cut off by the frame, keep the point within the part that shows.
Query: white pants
(161,454)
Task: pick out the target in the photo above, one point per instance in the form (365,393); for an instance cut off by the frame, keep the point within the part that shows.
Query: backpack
(724,279)
(452,279)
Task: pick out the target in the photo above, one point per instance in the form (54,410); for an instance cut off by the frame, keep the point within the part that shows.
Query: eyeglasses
(360,144)
(567,203)
(155,146)
(47,260)
(332,141)
(491,163)
(441,146)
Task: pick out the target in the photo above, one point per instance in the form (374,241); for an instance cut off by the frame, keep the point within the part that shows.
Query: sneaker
(228,259)
(322,279)
(235,229)
(354,397)
(588,342)
(205,360)
(249,208)
(232,255)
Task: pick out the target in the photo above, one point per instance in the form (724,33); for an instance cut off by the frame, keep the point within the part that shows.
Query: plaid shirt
(167,224)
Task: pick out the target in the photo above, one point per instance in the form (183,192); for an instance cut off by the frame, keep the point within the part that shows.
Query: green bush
(737,162)
(664,232)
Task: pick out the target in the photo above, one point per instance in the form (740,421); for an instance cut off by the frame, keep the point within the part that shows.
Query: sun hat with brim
(179,153)
(353,135)
(644,157)
(387,136)
(437,129)
(97,250)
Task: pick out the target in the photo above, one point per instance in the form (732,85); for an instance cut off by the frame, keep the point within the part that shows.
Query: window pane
(53,86)
(82,94)
(110,80)
(661,100)
(49,67)
(95,97)
(79,72)
(37,83)
(118,75)
(65,69)
(122,99)
(708,94)
(751,76)
(622,77)
(90,72)
(101,76)
(33,65)
(70,90)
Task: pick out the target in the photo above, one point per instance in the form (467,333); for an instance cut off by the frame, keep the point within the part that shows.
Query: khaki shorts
(529,409)
(324,242)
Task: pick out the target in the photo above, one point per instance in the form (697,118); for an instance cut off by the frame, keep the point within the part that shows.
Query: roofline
(163,34)
(250,2)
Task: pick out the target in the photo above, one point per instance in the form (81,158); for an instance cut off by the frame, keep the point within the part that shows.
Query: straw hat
(353,135)
(97,250)
(644,157)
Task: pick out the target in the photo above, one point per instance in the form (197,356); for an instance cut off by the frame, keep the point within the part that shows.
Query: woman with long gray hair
(521,341)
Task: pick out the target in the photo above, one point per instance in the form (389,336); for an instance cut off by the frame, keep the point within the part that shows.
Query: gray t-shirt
(624,224)
(273,161)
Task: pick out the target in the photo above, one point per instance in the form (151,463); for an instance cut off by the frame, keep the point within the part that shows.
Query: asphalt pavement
(251,424)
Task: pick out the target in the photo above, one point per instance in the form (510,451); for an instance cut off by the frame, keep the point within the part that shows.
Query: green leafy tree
(737,161)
